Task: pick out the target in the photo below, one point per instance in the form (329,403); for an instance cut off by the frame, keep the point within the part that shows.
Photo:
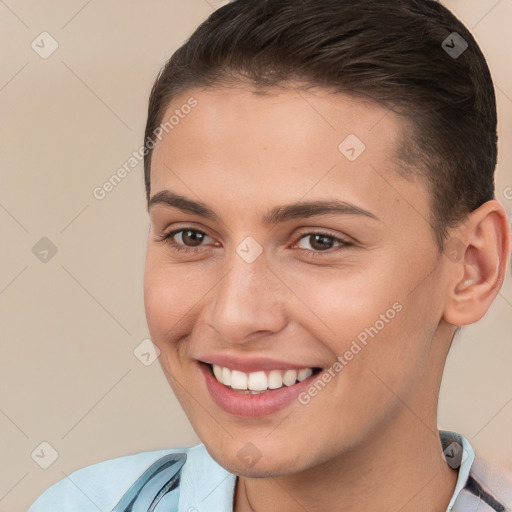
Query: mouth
(259,382)
(255,387)
(279,388)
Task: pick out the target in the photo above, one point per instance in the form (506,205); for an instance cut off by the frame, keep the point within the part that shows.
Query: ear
(478,253)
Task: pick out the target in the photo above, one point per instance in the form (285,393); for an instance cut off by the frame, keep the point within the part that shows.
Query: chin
(259,466)
(259,470)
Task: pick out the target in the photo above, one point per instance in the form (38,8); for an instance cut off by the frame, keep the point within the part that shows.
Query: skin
(369,440)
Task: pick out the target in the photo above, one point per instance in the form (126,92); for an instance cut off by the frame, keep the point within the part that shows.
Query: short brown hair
(388,50)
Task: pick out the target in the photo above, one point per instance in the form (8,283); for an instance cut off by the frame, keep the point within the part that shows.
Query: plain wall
(70,325)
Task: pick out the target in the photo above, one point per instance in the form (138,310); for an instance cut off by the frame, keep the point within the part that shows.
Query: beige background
(70,326)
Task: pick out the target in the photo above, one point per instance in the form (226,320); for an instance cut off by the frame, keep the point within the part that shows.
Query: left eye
(320,241)
(190,237)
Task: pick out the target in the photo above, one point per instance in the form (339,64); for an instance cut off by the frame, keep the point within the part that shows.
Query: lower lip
(248,405)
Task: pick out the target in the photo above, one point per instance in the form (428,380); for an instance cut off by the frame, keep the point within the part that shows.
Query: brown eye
(191,237)
(321,242)
(315,244)
(184,239)
(318,241)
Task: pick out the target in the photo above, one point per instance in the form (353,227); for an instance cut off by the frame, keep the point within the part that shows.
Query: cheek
(372,321)
(161,304)
(395,340)
(167,299)
(170,296)
(345,304)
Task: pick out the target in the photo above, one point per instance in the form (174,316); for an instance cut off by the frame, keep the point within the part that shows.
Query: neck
(401,469)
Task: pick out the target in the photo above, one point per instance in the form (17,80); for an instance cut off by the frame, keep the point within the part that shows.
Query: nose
(248,303)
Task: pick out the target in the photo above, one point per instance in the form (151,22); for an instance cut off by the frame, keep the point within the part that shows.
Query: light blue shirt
(205,486)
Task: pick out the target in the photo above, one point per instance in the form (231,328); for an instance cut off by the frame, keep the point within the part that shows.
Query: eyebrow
(274,216)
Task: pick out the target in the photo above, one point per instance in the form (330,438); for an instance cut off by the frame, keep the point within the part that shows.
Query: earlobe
(483,243)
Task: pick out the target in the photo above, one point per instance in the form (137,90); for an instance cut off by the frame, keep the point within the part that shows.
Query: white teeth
(255,382)
(290,377)
(238,379)
(226,377)
(275,379)
(217,370)
(304,374)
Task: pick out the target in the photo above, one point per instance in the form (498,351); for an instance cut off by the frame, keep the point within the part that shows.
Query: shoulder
(99,486)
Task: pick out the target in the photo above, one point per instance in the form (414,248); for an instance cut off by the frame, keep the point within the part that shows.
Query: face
(282,238)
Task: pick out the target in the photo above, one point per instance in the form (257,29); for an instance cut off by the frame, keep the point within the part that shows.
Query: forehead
(298,124)
(287,142)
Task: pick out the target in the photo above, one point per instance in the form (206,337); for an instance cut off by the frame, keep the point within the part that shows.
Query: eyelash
(168,239)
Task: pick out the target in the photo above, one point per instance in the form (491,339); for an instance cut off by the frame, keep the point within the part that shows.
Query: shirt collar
(462,458)
(205,485)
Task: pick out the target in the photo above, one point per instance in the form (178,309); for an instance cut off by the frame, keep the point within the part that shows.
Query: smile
(260,381)
(252,402)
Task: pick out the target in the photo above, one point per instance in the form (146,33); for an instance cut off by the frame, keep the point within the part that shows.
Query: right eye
(184,239)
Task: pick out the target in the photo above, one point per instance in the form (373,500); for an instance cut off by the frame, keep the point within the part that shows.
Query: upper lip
(252,364)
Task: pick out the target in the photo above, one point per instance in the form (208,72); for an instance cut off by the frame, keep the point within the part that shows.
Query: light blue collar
(467,459)
(205,485)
